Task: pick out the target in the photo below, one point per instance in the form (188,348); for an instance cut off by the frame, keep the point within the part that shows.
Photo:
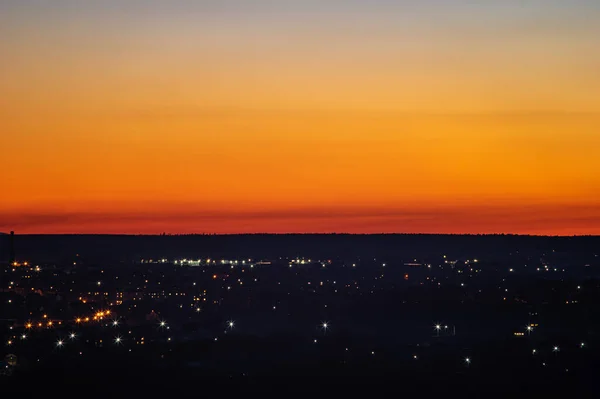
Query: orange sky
(310,122)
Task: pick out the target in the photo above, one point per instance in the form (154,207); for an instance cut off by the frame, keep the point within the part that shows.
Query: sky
(237,116)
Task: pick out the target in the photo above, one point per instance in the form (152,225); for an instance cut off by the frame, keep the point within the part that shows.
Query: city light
(529,329)
(141,299)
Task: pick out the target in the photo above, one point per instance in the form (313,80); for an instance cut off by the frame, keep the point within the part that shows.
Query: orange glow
(528,174)
(445,127)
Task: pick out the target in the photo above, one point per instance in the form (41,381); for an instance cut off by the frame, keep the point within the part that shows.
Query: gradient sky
(229,116)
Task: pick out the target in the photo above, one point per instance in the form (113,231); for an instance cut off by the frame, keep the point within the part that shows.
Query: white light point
(59,343)
(118,340)
(468,360)
(231,324)
(72,336)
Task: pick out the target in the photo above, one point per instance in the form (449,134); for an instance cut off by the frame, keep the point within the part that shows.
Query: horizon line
(165,234)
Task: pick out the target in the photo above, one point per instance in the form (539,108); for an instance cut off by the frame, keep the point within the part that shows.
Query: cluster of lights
(324,325)
(100,315)
(29,325)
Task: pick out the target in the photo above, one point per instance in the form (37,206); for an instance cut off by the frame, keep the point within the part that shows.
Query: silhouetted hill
(124,247)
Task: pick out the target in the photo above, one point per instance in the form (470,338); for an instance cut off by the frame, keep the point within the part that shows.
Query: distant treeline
(325,246)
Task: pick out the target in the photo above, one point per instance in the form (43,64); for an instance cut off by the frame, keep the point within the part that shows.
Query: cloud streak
(562,220)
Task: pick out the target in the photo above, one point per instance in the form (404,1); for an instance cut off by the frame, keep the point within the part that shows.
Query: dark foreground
(498,369)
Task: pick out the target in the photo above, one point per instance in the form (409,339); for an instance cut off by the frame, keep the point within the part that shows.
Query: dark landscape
(350,313)
(300,199)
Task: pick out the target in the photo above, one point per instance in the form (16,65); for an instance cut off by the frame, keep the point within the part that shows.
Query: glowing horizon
(315,116)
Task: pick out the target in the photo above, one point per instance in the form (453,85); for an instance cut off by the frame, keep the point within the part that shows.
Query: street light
(529,329)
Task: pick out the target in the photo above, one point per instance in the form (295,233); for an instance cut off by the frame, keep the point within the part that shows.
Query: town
(528,315)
